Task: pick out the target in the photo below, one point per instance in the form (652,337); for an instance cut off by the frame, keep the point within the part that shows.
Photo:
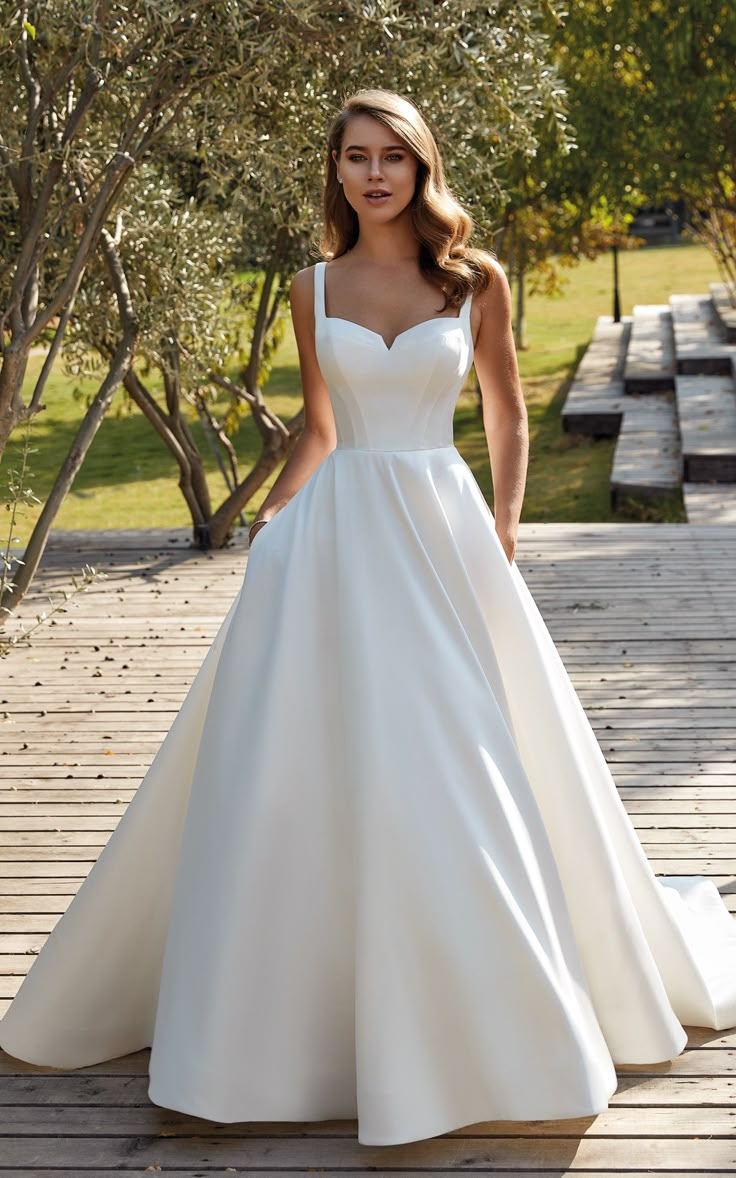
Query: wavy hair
(440,223)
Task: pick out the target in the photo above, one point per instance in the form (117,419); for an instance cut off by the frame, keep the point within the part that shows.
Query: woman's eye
(393,156)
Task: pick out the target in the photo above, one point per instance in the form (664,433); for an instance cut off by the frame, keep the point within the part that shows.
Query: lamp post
(616,295)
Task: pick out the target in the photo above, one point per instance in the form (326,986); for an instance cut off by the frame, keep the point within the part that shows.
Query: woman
(390,224)
(379,868)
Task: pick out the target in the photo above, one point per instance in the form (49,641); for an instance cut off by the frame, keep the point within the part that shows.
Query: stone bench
(700,346)
(647,462)
(595,402)
(650,357)
(706,407)
(725,310)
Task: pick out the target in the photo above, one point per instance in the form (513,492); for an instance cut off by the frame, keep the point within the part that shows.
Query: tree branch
(99,213)
(262,314)
(261,412)
(53,352)
(10,167)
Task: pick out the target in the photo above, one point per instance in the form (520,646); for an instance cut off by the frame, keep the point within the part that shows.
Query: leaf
(30,29)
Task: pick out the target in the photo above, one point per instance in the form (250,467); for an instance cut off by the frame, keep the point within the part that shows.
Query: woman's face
(377,169)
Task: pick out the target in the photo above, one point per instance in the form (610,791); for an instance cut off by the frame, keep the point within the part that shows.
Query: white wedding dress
(379,868)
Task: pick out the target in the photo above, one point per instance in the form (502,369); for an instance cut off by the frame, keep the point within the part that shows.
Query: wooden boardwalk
(644,616)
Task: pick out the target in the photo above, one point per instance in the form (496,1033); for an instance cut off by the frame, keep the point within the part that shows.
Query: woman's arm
(318,437)
(504,411)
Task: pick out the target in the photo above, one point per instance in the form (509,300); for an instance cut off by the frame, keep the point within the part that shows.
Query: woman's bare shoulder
(491,308)
(302,286)
(498,291)
(490,260)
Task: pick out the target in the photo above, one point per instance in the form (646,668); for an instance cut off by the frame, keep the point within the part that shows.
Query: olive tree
(89,90)
(231,100)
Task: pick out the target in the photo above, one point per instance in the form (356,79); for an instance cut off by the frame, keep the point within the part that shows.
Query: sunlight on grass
(129,478)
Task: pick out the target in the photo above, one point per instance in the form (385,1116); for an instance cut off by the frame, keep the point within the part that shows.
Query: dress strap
(319,292)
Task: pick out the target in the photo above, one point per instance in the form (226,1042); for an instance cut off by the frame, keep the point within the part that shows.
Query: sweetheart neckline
(389,347)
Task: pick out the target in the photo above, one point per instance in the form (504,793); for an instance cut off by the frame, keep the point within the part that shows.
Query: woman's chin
(379,214)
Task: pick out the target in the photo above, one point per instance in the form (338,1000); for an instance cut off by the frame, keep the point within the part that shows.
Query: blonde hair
(440,223)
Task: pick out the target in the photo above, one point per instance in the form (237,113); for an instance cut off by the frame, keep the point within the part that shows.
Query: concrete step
(706,407)
(710,503)
(647,462)
(663,382)
(700,343)
(595,402)
(650,358)
(725,310)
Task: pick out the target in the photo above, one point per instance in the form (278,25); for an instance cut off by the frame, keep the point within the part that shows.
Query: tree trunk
(192,477)
(65,478)
(270,457)
(24,295)
(120,363)
(263,318)
(12,375)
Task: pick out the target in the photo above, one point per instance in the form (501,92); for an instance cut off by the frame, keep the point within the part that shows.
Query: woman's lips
(376,198)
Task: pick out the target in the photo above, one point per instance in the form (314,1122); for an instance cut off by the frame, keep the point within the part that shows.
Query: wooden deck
(644,616)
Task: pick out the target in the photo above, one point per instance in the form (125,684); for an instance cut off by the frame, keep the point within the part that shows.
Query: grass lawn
(129,479)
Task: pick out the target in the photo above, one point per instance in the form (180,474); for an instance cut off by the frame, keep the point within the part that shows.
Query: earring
(339,179)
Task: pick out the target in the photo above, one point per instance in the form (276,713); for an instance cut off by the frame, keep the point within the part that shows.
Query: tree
(93,88)
(235,99)
(104,86)
(652,91)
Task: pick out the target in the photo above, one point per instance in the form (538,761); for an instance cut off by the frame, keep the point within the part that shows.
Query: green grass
(129,479)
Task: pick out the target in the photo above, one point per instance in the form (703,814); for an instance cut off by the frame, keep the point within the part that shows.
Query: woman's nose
(374,170)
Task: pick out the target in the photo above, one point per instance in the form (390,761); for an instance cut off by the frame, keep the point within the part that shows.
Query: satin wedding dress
(379,868)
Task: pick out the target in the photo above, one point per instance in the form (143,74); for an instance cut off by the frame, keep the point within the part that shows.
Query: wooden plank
(73,1091)
(48,1118)
(712,1062)
(254,1172)
(468,1150)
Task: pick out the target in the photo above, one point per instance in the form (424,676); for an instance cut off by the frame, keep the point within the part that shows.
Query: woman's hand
(508,543)
(254,527)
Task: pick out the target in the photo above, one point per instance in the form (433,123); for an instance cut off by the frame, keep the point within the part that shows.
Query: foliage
(492,86)
(93,90)
(144,138)
(652,90)
(481,75)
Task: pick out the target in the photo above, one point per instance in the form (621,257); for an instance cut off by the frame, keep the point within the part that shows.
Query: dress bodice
(401,397)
